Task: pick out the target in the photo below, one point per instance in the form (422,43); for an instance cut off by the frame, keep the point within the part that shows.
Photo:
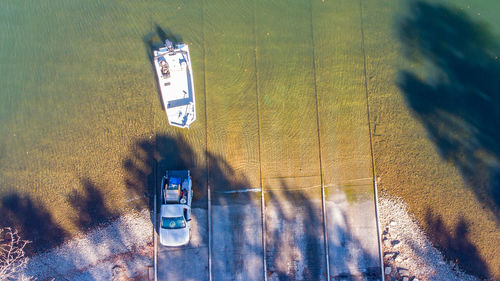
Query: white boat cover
(175,78)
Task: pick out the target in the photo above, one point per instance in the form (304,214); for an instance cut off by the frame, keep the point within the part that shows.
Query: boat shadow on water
(154,40)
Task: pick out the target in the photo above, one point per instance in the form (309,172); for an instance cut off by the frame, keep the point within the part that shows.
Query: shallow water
(79,91)
(80,111)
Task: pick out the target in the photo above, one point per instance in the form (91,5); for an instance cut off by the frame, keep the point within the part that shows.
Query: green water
(79,92)
(78,95)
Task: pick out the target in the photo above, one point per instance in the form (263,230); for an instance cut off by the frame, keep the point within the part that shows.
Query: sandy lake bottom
(284,91)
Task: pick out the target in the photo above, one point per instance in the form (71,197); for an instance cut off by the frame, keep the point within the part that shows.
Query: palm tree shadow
(458,104)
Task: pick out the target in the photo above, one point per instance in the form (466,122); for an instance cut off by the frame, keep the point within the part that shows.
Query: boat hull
(175,79)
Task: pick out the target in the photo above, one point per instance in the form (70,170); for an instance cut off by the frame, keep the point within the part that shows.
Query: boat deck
(176,87)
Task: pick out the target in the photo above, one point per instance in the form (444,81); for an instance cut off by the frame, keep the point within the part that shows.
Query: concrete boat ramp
(279,234)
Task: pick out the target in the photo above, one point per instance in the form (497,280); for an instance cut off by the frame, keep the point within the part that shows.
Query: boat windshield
(173,223)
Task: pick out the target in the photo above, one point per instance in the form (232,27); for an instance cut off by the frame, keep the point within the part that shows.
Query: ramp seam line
(257,93)
(207,164)
(155,245)
(323,205)
(377,220)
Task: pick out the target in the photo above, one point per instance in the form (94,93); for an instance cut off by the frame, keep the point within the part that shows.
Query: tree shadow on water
(458,101)
(457,244)
(151,158)
(294,233)
(33,221)
(90,206)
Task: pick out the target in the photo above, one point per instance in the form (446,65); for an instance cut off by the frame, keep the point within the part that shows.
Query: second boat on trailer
(175,78)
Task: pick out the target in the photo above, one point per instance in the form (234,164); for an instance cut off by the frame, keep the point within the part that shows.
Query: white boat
(175,78)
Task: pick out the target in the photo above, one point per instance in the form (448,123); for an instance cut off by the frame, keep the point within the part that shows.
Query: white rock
(417,253)
(387,243)
(388,270)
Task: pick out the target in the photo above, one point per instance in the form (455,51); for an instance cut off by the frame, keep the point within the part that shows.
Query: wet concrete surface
(237,249)
(352,235)
(294,236)
(188,262)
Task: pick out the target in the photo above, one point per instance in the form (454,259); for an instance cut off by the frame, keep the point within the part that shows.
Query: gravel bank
(123,250)
(118,251)
(407,250)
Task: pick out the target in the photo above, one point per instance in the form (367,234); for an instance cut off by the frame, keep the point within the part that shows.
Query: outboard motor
(169,45)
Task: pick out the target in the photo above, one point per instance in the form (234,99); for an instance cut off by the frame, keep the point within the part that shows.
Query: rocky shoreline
(408,253)
(123,250)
